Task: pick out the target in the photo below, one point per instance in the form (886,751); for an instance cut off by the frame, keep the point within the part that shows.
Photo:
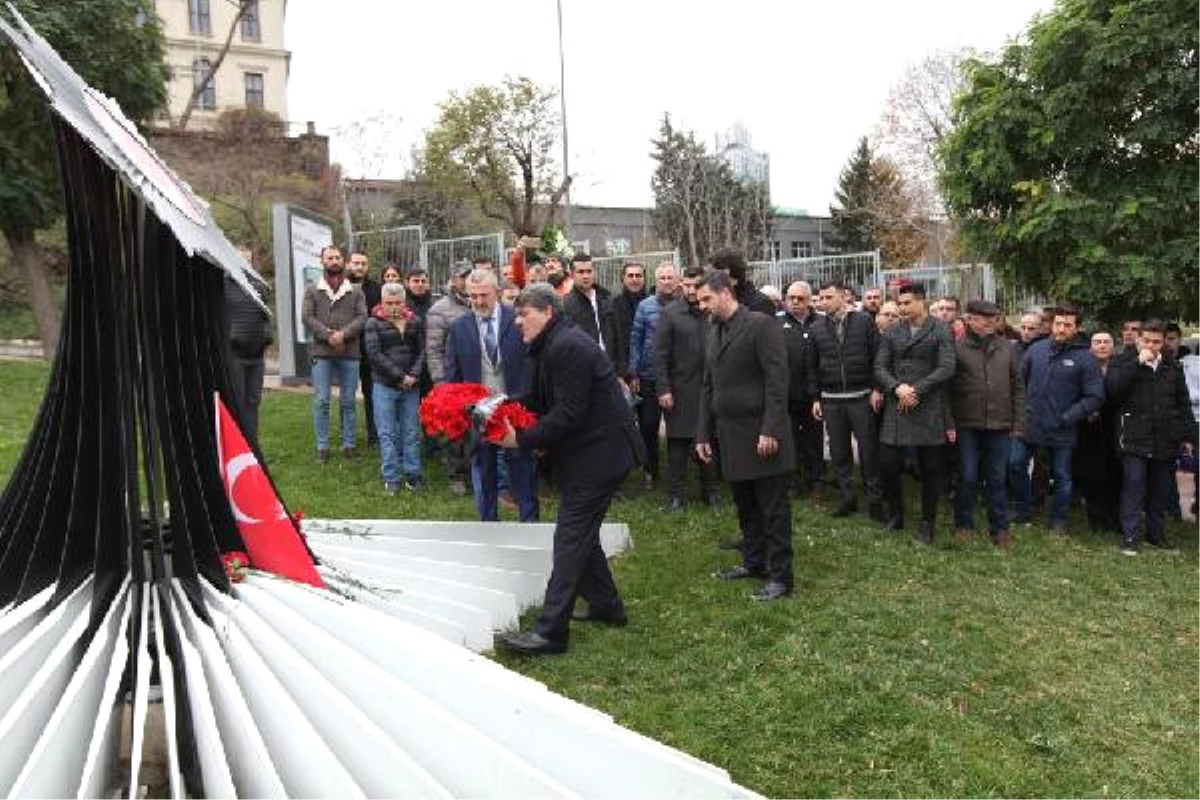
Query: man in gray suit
(743,408)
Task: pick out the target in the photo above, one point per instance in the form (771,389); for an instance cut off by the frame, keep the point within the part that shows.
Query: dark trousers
(247,375)
(1024,488)
(522,482)
(1102,498)
(843,418)
(810,445)
(456,461)
(679,453)
(982,454)
(932,461)
(579,566)
(1145,485)
(765,516)
(364,382)
(649,417)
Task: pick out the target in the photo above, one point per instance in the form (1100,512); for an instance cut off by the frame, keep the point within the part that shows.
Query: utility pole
(562,96)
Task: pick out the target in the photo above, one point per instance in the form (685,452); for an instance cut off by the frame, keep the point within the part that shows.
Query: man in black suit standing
(744,408)
(589,431)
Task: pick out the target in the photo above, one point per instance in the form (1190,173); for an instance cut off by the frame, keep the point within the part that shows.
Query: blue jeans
(396,420)
(993,448)
(1020,455)
(522,482)
(1145,485)
(323,371)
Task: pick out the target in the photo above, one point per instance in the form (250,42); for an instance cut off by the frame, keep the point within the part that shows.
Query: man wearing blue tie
(485,347)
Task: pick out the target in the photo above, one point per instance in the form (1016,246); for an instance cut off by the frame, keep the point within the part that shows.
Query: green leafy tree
(1072,166)
(116,45)
(494,145)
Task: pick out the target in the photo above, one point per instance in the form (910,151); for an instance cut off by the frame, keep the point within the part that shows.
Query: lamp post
(562,95)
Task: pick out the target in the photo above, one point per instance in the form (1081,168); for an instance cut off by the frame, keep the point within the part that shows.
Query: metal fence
(439,255)
(399,246)
(967,282)
(609,268)
(407,247)
(857,270)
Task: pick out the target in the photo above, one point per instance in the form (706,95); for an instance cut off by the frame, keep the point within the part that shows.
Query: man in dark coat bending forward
(744,409)
(589,431)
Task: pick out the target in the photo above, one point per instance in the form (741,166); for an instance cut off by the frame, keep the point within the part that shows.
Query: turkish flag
(272,539)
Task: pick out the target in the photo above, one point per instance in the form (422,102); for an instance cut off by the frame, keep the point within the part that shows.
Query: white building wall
(267,57)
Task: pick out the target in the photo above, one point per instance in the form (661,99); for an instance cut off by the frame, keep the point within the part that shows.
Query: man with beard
(420,300)
(587,428)
(590,306)
(334,312)
(842,379)
(438,319)
(679,346)
(733,263)
(358,272)
(872,301)
(633,292)
(743,407)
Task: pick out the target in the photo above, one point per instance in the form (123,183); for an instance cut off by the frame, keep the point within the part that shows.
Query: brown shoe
(1002,540)
(962,535)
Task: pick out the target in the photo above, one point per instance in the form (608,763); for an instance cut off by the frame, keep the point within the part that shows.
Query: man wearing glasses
(797,317)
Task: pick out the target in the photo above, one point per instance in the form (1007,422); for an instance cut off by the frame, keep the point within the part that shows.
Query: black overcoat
(679,342)
(584,421)
(744,395)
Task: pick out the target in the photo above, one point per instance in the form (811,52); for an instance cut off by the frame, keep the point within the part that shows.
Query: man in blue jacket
(1063,385)
(485,347)
(641,363)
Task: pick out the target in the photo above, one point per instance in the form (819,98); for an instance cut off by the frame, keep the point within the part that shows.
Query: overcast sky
(806,79)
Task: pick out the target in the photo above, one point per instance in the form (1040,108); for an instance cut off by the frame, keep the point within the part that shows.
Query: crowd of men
(781,394)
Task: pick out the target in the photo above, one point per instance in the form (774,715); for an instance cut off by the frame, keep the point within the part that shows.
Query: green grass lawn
(1059,669)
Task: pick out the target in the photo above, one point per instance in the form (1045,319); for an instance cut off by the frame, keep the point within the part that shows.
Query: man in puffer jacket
(1063,385)
(1148,389)
(441,315)
(395,345)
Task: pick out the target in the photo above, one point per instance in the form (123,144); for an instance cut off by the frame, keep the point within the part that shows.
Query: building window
(801,249)
(199,17)
(201,72)
(776,250)
(250,28)
(255,97)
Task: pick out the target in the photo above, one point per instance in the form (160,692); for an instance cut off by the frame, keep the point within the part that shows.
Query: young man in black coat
(743,408)
(1154,419)
(588,429)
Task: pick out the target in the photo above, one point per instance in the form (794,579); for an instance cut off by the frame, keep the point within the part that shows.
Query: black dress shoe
(530,643)
(617,620)
(846,508)
(736,574)
(772,591)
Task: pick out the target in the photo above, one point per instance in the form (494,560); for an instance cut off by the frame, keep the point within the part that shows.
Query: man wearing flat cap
(987,398)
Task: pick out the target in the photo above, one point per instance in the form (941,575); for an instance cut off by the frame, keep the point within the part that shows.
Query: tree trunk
(27,254)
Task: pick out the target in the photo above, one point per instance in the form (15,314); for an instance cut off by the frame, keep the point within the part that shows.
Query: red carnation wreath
(445,411)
